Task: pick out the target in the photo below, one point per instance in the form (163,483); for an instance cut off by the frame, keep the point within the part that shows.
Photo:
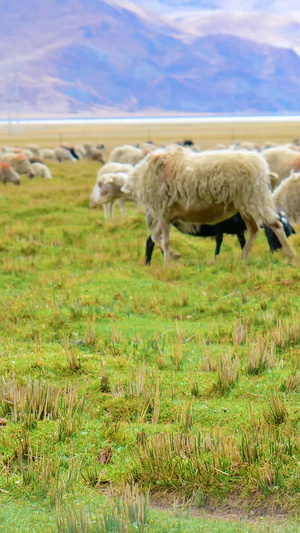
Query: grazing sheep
(282,160)
(48,153)
(107,191)
(41,170)
(272,239)
(94,154)
(19,163)
(147,146)
(287,197)
(8,174)
(206,188)
(27,153)
(232,226)
(80,151)
(128,154)
(63,154)
(11,150)
(34,148)
(72,152)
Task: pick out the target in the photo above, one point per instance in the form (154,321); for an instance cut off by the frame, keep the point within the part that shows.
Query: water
(158,120)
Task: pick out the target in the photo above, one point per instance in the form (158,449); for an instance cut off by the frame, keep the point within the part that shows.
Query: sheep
(41,170)
(232,226)
(111,192)
(19,163)
(72,152)
(206,188)
(8,174)
(27,153)
(63,154)
(282,160)
(287,196)
(80,151)
(128,154)
(34,148)
(94,154)
(48,153)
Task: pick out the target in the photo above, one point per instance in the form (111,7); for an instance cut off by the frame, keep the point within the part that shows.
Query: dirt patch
(234,509)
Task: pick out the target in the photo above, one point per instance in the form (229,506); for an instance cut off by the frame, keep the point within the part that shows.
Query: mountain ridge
(111,57)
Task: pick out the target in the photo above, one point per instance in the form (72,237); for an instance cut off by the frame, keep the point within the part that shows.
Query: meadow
(138,398)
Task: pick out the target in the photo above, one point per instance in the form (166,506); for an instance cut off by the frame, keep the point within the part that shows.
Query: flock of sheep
(14,162)
(201,193)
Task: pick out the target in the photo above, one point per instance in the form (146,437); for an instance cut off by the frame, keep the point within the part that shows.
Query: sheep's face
(108,192)
(95,196)
(14,178)
(30,173)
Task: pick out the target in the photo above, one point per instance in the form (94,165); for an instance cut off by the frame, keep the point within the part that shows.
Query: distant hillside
(100,58)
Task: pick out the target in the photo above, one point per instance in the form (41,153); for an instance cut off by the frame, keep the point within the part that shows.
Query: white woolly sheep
(97,197)
(287,197)
(94,154)
(63,154)
(48,153)
(41,170)
(19,163)
(80,150)
(35,149)
(27,153)
(110,191)
(206,188)
(282,160)
(8,174)
(128,154)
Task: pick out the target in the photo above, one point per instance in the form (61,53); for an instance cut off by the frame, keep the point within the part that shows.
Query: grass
(120,380)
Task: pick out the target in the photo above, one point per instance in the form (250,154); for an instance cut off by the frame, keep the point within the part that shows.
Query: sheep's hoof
(174,255)
(292,260)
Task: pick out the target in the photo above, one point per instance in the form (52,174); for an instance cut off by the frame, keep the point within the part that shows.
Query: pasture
(120,381)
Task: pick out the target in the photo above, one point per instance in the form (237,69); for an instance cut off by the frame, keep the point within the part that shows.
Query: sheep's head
(13,177)
(111,188)
(274,179)
(95,196)
(30,173)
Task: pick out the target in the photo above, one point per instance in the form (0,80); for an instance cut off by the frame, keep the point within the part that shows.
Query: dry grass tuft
(275,411)
(228,371)
(261,356)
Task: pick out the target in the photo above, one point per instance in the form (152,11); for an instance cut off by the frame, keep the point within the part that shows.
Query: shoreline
(154,120)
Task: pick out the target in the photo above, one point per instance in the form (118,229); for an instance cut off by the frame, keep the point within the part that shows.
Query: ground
(120,380)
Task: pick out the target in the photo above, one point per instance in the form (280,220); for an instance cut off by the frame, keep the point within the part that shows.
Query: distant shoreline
(155,120)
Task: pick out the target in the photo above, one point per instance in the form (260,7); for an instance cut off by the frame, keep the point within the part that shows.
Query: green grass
(189,373)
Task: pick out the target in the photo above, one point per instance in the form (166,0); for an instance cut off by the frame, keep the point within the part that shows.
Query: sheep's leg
(219,240)
(106,213)
(156,234)
(242,240)
(122,207)
(253,230)
(149,250)
(165,231)
(111,209)
(278,229)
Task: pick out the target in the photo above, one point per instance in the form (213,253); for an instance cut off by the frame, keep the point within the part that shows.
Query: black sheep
(232,226)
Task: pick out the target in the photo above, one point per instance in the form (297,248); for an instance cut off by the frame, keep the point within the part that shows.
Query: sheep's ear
(274,177)
(125,189)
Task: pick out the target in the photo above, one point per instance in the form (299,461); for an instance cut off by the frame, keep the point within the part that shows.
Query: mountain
(116,57)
